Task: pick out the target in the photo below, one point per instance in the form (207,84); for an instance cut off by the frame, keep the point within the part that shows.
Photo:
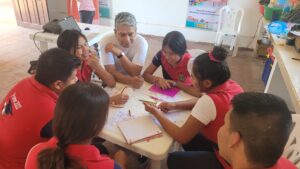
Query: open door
(31,13)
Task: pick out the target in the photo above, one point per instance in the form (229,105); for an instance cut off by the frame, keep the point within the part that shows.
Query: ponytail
(57,158)
(89,103)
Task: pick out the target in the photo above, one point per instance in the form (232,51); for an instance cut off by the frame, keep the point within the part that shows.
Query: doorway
(7,15)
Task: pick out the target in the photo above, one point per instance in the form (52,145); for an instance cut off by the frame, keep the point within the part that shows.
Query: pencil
(123,89)
(129,113)
(296,59)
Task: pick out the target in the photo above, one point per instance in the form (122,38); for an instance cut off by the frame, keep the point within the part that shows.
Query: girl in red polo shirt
(80,115)
(211,75)
(76,43)
(174,60)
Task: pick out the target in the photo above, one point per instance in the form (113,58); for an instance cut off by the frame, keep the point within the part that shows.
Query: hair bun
(220,53)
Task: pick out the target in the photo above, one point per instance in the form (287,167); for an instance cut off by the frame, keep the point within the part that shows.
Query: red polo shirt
(85,72)
(89,155)
(221,96)
(32,106)
(282,163)
(177,73)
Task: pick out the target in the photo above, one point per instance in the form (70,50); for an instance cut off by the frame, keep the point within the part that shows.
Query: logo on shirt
(7,106)
(181,77)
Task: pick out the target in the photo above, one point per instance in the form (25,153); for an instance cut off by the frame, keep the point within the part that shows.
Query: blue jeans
(86,16)
(199,153)
(200,143)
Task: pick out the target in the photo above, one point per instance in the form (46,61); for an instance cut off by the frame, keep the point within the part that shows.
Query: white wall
(157,17)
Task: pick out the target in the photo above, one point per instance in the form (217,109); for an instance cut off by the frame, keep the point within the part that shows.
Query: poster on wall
(203,14)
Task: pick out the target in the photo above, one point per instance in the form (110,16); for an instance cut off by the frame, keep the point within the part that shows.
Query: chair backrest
(292,148)
(230,19)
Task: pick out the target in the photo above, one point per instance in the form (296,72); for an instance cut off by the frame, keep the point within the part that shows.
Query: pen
(155,98)
(123,89)
(129,113)
(296,59)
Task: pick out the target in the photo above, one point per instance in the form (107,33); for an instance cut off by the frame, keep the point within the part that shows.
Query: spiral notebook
(139,129)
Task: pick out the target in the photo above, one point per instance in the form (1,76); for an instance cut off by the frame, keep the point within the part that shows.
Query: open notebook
(139,129)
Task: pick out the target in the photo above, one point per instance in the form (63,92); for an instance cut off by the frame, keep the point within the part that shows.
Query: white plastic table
(284,79)
(156,149)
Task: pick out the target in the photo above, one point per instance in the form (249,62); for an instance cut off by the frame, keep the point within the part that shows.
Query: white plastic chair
(230,22)
(292,148)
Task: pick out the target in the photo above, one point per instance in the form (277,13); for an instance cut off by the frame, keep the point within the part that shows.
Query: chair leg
(236,47)
(219,39)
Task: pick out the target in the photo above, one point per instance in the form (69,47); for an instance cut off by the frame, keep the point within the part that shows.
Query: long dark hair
(176,42)
(212,66)
(80,115)
(68,39)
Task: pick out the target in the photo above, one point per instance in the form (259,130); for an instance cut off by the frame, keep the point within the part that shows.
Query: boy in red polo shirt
(29,106)
(174,60)
(254,134)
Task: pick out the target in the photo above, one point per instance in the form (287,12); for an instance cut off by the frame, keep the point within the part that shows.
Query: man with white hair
(124,52)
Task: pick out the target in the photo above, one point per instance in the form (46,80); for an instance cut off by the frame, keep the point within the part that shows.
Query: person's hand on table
(165,84)
(119,99)
(166,106)
(150,108)
(136,81)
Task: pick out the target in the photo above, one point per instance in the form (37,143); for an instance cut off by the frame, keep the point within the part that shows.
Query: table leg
(258,34)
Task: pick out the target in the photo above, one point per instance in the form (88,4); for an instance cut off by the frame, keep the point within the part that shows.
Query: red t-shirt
(221,96)
(85,72)
(32,107)
(89,155)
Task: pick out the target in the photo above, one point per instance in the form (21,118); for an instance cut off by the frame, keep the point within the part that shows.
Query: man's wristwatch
(120,55)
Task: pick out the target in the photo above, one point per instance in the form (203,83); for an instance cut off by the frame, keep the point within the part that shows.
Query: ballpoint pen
(129,113)
(123,89)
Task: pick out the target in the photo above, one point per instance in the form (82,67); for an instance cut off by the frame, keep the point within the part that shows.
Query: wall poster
(203,14)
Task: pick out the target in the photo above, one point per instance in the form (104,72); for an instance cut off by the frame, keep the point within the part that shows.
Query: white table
(93,35)
(156,149)
(284,79)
